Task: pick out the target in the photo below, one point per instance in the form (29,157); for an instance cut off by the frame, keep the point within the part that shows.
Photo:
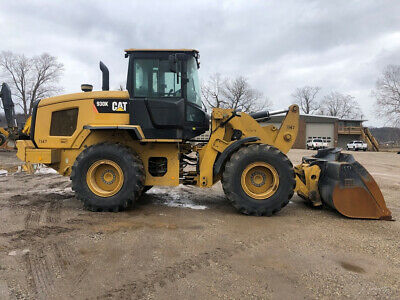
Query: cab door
(157,102)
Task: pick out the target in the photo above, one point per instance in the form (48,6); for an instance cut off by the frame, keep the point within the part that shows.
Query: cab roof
(160,50)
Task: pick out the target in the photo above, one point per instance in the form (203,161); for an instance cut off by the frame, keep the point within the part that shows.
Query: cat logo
(119,106)
(111,106)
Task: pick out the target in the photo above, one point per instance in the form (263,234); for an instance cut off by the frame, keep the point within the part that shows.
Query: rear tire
(107,177)
(252,198)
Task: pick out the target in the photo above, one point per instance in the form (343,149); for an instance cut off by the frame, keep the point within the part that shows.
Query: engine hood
(83,96)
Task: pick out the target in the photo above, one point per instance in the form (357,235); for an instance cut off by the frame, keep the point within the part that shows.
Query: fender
(132,129)
(229,150)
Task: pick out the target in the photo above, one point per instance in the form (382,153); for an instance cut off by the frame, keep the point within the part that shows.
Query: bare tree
(340,105)
(212,91)
(387,94)
(30,78)
(233,93)
(306,98)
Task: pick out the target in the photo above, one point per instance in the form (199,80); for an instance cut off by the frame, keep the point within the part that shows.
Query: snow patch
(18,252)
(179,199)
(42,169)
(3,172)
(65,191)
(185,205)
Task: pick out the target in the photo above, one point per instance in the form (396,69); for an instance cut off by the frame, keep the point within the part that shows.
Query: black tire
(132,169)
(364,149)
(231,180)
(2,139)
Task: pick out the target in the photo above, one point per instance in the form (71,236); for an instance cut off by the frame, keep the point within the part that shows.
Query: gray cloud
(279,45)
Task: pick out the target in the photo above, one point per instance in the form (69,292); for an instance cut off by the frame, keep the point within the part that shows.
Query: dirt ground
(189,243)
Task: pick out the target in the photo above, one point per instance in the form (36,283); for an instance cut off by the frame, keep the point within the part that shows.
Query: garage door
(324,131)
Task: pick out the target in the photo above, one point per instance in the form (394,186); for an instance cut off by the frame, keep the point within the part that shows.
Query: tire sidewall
(285,181)
(127,189)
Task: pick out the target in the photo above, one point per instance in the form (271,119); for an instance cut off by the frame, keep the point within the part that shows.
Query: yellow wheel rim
(260,180)
(105,178)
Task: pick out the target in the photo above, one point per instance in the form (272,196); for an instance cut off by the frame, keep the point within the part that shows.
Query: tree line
(235,93)
(30,78)
(386,94)
(333,104)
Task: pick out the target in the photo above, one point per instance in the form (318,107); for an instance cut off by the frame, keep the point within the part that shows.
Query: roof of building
(354,120)
(307,118)
(319,116)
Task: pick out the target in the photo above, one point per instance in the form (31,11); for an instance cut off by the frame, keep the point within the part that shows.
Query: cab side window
(153,79)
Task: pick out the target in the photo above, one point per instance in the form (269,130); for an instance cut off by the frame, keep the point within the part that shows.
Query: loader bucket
(346,186)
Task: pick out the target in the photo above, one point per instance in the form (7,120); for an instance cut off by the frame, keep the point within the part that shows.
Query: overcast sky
(277,45)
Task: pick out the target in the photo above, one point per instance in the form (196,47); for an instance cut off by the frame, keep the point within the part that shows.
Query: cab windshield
(193,83)
(154,79)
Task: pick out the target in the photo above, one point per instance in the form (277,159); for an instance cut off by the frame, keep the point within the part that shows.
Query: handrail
(349,129)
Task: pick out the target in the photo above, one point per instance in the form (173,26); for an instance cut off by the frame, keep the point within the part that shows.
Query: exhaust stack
(106,77)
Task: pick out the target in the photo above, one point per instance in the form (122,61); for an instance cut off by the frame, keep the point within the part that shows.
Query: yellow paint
(105,178)
(27,126)
(308,188)
(4,132)
(259,180)
(44,156)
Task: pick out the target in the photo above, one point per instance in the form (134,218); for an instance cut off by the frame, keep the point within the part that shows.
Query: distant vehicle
(357,145)
(316,144)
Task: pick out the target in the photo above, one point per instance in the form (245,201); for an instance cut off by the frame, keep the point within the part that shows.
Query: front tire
(258,180)
(107,177)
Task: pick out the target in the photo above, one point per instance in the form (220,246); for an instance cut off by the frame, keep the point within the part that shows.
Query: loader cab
(165,93)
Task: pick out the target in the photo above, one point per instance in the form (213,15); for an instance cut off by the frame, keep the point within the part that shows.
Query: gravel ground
(190,243)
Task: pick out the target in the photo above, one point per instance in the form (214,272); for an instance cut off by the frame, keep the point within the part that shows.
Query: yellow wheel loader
(115,145)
